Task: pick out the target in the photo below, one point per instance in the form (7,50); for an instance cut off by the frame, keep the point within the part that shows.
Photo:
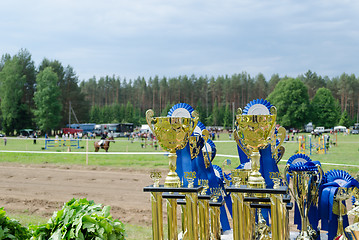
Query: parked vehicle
(26,132)
(309,127)
(355,129)
(86,127)
(71,131)
(319,130)
(115,129)
(98,129)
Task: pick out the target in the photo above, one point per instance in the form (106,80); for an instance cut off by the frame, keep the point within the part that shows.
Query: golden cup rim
(164,117)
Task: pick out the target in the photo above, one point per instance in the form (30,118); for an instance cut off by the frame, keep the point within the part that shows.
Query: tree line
(39,97)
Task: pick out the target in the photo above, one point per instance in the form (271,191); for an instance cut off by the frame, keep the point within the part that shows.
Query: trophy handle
(205,135)
(273,111)
(285,179)
(281,135)
(236,138)
(195,117)
(317,183)
(281,150)
(150,119)
(320,173)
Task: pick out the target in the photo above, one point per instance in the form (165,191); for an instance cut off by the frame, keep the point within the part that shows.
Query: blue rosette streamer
(198,162)
(214,182)
(301,162)
(219,173)
(332,180)
(212,149)
(184,155)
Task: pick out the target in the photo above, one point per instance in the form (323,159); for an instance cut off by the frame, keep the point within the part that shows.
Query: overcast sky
(171,38)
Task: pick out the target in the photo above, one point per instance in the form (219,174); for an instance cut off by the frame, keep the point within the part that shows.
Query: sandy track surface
(43,189)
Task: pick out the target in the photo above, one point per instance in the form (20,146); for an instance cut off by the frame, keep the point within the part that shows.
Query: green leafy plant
(80,219)
(12,229)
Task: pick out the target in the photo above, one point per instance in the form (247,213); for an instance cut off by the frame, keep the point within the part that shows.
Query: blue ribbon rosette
(180,110)
(257,107)
(332,180)
(301,162)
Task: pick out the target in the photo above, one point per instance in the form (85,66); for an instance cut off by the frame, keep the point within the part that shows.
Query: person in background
(35,136)
(5,140)
(103,137)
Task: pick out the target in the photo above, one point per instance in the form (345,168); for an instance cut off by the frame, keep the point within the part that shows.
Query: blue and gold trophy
(259,141)
(332,209)
(307,177)
(259,146)
(173,134)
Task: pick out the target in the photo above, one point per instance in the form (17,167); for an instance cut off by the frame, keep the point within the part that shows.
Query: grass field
(346,152)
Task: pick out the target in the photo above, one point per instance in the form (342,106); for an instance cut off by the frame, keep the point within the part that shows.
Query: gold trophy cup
(173,134)
(252,133)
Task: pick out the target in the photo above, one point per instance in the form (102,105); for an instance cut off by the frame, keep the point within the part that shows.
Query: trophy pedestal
(172,195)
(245,199)
(172,180)
(203,210)
(255,180)
(215,219)
(203,221)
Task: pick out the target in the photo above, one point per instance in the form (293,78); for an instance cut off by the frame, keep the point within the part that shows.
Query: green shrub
(12,229)
(80,219)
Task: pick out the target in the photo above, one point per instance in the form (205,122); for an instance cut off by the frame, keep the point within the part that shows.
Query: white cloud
(156,37)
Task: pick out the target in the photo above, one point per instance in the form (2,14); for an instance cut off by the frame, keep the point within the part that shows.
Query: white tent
(340,129)
(145,129)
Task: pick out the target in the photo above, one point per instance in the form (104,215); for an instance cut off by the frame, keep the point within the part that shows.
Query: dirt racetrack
(43,189)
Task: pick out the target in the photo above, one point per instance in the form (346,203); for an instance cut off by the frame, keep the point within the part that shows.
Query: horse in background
(105,145)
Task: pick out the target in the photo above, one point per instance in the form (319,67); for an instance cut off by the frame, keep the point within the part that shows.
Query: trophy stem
(255,179)
(340,230)
(172,179)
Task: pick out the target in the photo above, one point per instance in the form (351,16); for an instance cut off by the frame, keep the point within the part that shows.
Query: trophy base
(304,236)
(172,180)
(255,180)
